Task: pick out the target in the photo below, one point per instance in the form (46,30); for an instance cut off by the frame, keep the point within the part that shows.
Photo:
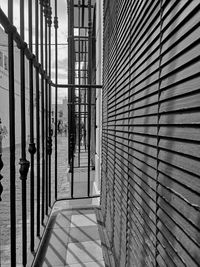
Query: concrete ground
(63,191)
(77,242)
(72,237)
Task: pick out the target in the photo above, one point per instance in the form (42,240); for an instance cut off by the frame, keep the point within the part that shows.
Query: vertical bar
(69,89)
(23,162)
(12,139)
(71,117)
(46,105)
(85,90)
(89,88)
(37,117)
(79,90)
(32,148)
(42,111)
(73,94)
(50,138)
(56,92)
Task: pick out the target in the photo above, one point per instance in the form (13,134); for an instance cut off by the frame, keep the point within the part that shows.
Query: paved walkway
(78,241)
(72,237)
(63,191)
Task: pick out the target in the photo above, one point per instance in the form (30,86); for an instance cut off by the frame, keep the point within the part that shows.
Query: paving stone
(81,234)
(88,264)
(83,220)
(84,252)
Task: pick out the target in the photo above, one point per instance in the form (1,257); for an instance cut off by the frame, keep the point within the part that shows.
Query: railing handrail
(21,44)
(96,86)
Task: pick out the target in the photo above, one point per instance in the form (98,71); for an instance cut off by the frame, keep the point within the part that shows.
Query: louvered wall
(151,131)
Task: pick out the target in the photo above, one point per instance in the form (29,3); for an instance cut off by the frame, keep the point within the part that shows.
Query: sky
(62,37)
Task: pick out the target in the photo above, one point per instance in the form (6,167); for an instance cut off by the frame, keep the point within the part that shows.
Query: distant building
(4,91)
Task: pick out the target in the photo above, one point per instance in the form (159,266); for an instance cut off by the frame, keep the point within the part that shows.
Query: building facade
(4,92)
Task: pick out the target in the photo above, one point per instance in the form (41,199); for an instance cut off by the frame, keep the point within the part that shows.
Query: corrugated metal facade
(151,131)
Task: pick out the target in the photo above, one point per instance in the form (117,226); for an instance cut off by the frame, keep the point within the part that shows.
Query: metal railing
(40,86)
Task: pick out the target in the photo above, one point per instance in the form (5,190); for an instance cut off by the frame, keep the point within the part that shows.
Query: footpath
(63,191)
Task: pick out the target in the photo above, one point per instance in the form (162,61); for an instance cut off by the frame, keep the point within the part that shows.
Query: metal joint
(32,148)
(28,53)
(45,75)
(56,22)
(49,15)
(36,63)
(10,29)
(40,69)
(49,145)
(20,42)
(24,168)
(33,58)
(45,9)
(47,78)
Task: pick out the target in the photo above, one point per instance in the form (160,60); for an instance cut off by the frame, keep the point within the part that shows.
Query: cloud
(63,63)
(62,75)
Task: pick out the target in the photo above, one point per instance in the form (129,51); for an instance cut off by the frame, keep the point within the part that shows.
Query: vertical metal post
(42,111)
(24,164)
(89,88)
(73,95)
(71,117)
(49,22)
(12,139)
(32,148)
(56,92)
(79,90)
(37,116)
(85,99)
(69,80)
(46,105)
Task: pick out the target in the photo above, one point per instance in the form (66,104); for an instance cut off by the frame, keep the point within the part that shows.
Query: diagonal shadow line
(60,211)
(85,215)
(76,224)
(47,262)
(79,230)
(57,254)
(82,263)
(76,240)
(67,248)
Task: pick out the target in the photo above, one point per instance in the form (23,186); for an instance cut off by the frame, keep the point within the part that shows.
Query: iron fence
(39,131)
